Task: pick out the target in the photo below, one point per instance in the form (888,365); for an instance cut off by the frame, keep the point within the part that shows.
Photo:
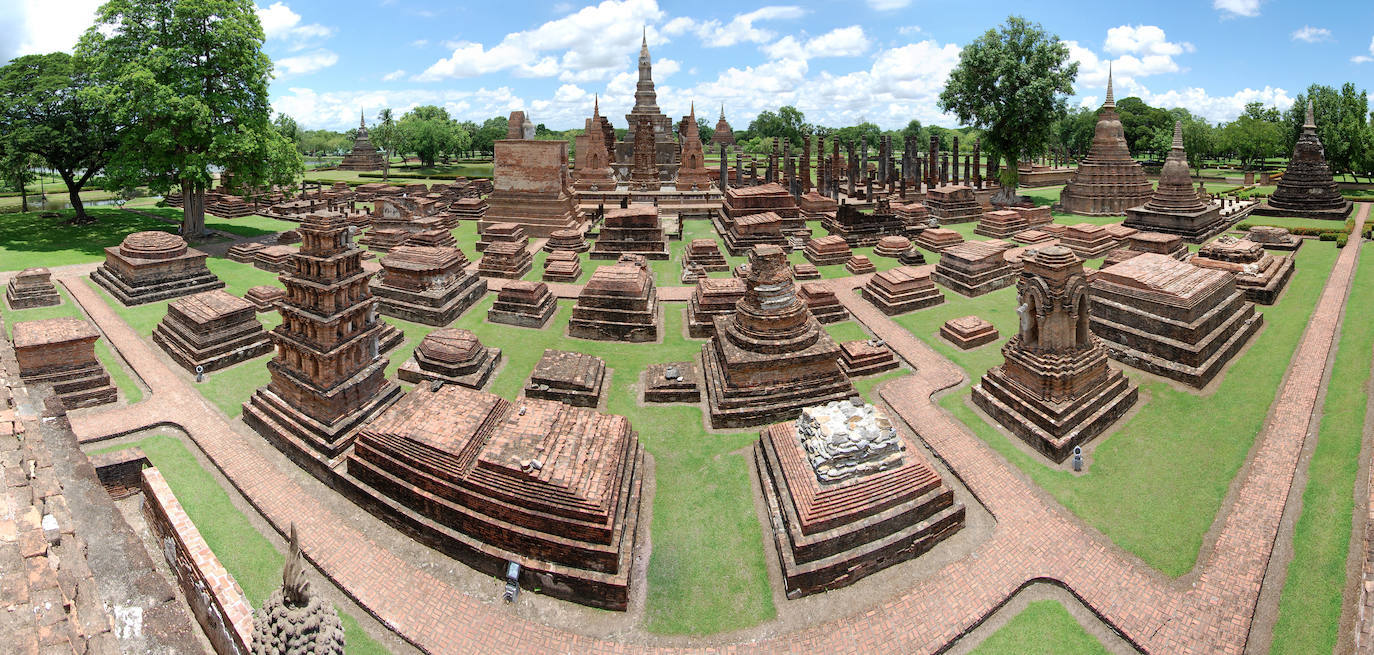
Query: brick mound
(866,357)
(823,302)
(451,356)
(244,253)
(424,284)
(1171,318)
(829,535)
(706,253)
(619,303)
(1001,224)
(635,229)
(211,330)
(562,266)
(505,259)
(859,265)
(1260,275)
(770,357)
(499,232)
(1088,241)
(151,266)
(265,298)
(551,487)
(953,203)
(892,246)
(968,332)
(974,268)
(745,232)
(901,290)
(936,239)
(1034,216)
(274,259)
(683,387)
(1274,238)
(805,271)
(826,251)
(61,352)
(32,287)
(568,377)
(570,239)
(912,256)
(523,303)
(712,297)
(860,229)
(1033,237)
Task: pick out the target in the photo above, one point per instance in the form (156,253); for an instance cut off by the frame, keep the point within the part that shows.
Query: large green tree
(428,132)
(492,130)
(387,136)
(1012,83)
(787,123)
(1342,121)
(189,78)
(45,111)
(1251,139)
(16,170)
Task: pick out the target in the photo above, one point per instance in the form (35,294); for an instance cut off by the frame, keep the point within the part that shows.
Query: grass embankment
(1043,627)
(1310,606)
(246,554)
(1155,484)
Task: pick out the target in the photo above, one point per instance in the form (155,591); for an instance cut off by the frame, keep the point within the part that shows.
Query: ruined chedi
(770,358)
(1307,189)
(1055,389)
(329,376)
(664,149)
(364,155)
(1175,207)
(691,173)
(1108,181)
(593,154)
(723,134)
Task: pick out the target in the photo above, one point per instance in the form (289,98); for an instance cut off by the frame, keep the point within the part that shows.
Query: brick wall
(120,471)
(215,598)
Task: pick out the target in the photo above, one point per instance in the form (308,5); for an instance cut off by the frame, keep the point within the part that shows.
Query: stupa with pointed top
(364,156)
(723,135)
(593,153)
(646,108)
(692,174)
(1307,188)
(1108,180)
(1175,207)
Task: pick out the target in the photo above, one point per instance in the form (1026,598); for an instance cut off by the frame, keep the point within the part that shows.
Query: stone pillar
(804,167)
(863,154)
(977,170)
(932,157)
(944,168)
(853,170)
(954,157)
(724,169)
(968,174)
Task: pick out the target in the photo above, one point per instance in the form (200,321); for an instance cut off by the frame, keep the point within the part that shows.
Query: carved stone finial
(292,621)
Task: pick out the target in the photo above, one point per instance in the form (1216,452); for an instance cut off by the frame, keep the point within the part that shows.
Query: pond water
(58,202)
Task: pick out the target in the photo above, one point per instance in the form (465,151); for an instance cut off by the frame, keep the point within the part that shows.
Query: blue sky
(840,62)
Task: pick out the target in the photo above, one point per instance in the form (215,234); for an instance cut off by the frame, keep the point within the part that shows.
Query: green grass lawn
(247,555)
(1310,607)
(1291,222)
(1043,627)
(28,240)
(1156,484)
(119,375)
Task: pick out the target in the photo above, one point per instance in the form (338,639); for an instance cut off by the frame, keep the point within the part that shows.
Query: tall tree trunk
(1006,193)
(193,210)
(74,193)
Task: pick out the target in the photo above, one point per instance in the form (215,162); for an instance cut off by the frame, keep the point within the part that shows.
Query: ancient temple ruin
(151,266)
(451,356)
(1108,181)
(665,149)
(1261,275)
(1175,207)
(619,303)
(210,331)
(691,173)
(1307,188)
(1055,389)
(364,155)
(428,285)
(770,358)
(61,352)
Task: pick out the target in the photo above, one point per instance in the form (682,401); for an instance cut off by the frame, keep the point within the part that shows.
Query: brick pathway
(1035,538)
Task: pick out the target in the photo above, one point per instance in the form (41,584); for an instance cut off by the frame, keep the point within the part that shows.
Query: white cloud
(419,43)
(280,23)
(840,42)
(1233,8)
(1311,34)
(888,5)
(1364,59)
(40,26)
(1143,39)
(595,41)
(909,30)
(306,63)
(1217,108)
(788,47)
(740,29)
(339,110)
(1142,51)
(394,75)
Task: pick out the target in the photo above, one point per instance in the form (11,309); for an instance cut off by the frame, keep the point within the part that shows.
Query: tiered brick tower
(151,266)
(723,135)
(364,156)
(664,150)
(328,377)
(635,229)
(770,358)
(1108,181)
(691,173)
(1307,188)
(593,155)
(1055,389)
(1175,208)
(644,173)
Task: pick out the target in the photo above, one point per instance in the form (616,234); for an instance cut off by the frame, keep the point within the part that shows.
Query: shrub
(1342,240)
(1328,236)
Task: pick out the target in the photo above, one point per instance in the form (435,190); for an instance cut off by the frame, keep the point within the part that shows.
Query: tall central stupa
(646,107)
(1108,181)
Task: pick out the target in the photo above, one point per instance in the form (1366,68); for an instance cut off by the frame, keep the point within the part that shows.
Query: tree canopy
(428,132)
(1012,82)
(787,123)
(189,78)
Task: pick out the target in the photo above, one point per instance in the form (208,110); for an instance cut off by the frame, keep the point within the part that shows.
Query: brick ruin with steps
(968,332)
(1175,207)
(443,465)
(30,288)
(523,303)
(1108,181)
(938,239)
(1001,224)
(974,268)
(634,230)
(619,303)
(428,285)
(1055,389)
(531,187)
(677,382)
(570,239)
(1171,318)
(859,265)
(839,513)
(1088,241)
(953,203)
(771,357)
(866,357)
(712,297)
(827,250)
(151,266)
(451,356)
(823,302)
(506,259)
(265,298)
(892,246)
(568,377)
(211,330)
(562,266)
(61,352)
(901,290)
(1259,274)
